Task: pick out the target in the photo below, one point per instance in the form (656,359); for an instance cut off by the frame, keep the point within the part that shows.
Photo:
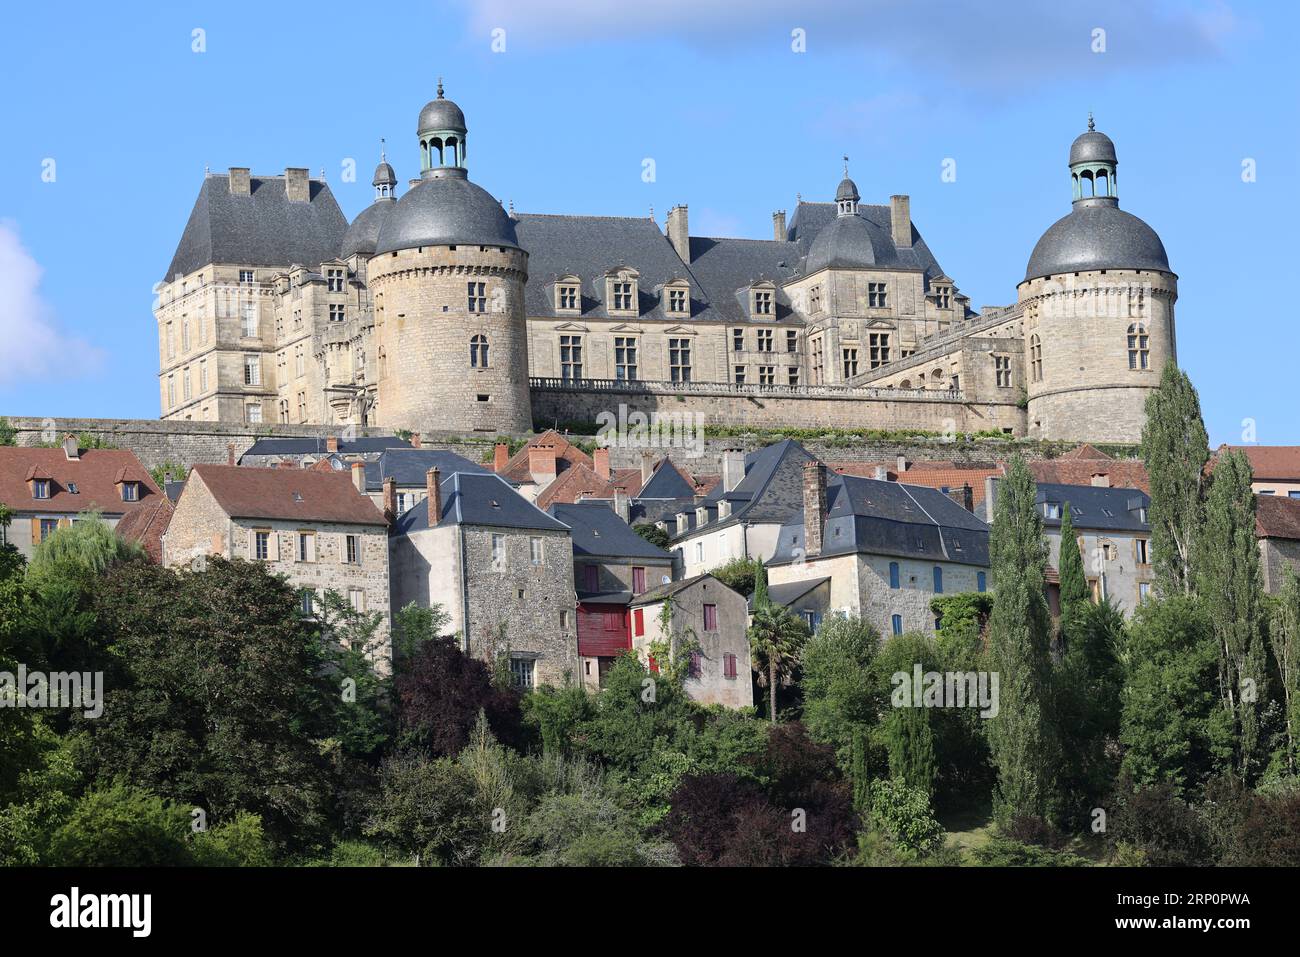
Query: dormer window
(130,491)
(41,488)
(701,516)
(621,291)
(677,298)
(568,294)
(334,279)
(1051,510)
(763,301)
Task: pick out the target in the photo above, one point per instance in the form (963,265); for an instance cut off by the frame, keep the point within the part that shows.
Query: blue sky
(736,121)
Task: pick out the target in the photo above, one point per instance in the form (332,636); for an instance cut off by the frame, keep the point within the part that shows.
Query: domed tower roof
(1096,234)
(384,175)
(446,210)
(363,234)
(847,190)
(441,114)
(849,242)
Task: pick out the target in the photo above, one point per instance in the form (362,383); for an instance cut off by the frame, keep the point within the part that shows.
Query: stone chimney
(733,468)
(600,461)
(359,476)
(647,466)
(679,233)
(230,453)
(881,473)
(621,504)
(297,186)
(433,490)
(964,496)
(814,506)
(70,448)
(390,499)
(541,463)
(1101,480)
(331,443)
(500,456)
(241,183)
(415,441)
(900,221)
(778,225)
(900,464)
(990,491)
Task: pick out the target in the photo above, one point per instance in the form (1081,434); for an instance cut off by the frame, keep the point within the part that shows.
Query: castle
(440,309)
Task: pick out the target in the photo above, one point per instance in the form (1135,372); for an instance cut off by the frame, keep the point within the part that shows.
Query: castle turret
(447,277)
(1098,300)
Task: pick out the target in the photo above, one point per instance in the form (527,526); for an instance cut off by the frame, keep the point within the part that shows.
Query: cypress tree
(761,599)
(1229,584)
(1074,584)
(1022,741)
(1175,448)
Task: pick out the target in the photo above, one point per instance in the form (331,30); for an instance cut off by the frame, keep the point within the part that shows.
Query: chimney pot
(882,473)
(814,506)
(415,441)
(679,233)
(647,466)
(241,183)
(433,489)
(500,456)
(1101,480)
(541,463)
(621,503)
(297,188)
(70,447)
(778,226)
(390,499)
(733,468)
(230,453)
(359,476)
(901,464)
(331,443)
(900,221)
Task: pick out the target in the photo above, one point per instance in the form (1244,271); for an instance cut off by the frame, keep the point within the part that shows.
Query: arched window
(478,352)
(1035,358)
(1139,348)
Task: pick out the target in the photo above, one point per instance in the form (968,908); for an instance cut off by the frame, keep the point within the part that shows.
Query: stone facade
(507,607)
(1116,563)
(721,671)
(201,527)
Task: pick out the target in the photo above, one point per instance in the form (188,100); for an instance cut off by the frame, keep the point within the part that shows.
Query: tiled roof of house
(147,525)
(870,516)
(1078,466)
(1277,516)
(284,494)
(953,479)
(517,471)
(263,228)
(473,498)
(1270,462)
(598,532)
(95,475)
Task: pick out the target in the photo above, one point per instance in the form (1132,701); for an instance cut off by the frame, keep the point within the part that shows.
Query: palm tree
(776,638)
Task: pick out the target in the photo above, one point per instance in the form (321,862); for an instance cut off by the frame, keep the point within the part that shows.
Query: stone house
(1277,527)
(1275,468)
(1112,532)
(808,599)
(314,528)
(714,621)
(612,565)
(47,489)
(500,568)
(888,548)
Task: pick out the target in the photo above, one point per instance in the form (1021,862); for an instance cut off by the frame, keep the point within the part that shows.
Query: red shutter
(654,665)
(638,580)
(638,622)
(710,617)
(729,666)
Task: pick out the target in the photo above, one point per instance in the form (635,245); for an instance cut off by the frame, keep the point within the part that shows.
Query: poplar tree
(1069,566)
(1022,740)
(1229,585)
(1175,448)
(1284,635)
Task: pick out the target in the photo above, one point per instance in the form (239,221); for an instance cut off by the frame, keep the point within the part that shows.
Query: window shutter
(36,531)
(273,546)
(252,544)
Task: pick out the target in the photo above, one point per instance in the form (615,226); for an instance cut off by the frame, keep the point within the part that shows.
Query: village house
(500,568)
(612,565)
(1275,468)
(1277,527)
(48,489)
(313,527)
(703,619)
(888,548)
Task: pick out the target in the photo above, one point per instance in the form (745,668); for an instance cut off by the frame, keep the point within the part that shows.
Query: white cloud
(31,345)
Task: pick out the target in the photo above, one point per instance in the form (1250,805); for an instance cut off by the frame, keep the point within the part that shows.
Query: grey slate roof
(316,445)
(667,483)
(726,268)
(787,593)
(364,231)
(672,588)
(1097,508)
(598,532)
(1092,147)
(261,229)
(1096,234)
(472,498)
(890,518)
(409,467)
(445,208)
(811,218)
(771,491)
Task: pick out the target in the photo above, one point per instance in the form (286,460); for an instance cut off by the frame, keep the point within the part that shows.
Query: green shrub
(903,814)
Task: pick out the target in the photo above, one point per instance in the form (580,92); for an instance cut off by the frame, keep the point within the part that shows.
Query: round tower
(1098,301)
(447,280)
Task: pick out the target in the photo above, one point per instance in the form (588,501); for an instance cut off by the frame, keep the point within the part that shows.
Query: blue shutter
(893,574)
(898,624)
(938,580)
(980,581)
